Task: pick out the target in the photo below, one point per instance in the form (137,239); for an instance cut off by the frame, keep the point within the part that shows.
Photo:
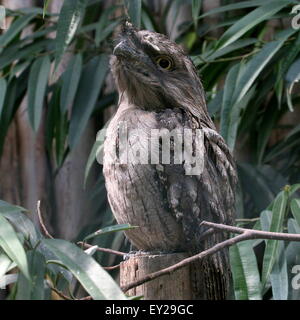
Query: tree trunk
(176,286)
(27,174)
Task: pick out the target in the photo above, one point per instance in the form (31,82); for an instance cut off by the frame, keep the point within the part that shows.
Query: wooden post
(176,286)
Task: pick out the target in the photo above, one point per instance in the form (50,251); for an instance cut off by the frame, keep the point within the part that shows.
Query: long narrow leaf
(134,10)
(70,82)
(3,87)
(89,88)
(196,6)
(96,281)
(11,244)
(255,66)
(295,207)
(17,26)
(70,16)
(118,227)
(37,84)
(278,213)
(229,88)
(5,264)
(245,272)
(279,275)
(33,290)
(250,21)
(234,6)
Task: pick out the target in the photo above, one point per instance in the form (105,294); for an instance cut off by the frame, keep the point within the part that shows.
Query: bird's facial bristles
(153,71)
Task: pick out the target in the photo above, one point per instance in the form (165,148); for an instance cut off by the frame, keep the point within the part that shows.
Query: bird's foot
(135,253)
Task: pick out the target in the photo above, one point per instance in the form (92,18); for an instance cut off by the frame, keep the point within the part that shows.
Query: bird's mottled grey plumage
(165,202)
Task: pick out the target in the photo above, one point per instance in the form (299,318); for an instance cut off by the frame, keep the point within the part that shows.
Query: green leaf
(33,290)
(233,6)
(11,244)
(5,264)
(118,227)
(196,6)
(269,121)
(293,259)
(234,102)
(134,10)
(293,73)
(104,27)
(46,4)
(229,88)
(278,213)
(29,52)
(245,272)
(37,85)
(16,27)
(294,187)
(70,16)
(293,248)
(255,66)
(95,280)
(250,21)
(295,207)
(7,208)
(70,82)
(291,52)
(279,275)
(96,152)
(255,184)
(265,220)
(14,95)
(147,22)
(104,33)
(3,87)
(91,159)
(292,76)
(90,86)
(234,117)
(239,44)
(290,141)
(215,104)
(20,222)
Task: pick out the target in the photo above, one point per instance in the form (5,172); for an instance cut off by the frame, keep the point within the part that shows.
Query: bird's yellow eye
(164,62)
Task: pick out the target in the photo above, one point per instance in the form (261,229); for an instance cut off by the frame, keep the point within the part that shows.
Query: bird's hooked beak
(128,43)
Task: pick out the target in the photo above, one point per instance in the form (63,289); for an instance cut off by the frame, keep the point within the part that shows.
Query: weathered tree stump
(176,286)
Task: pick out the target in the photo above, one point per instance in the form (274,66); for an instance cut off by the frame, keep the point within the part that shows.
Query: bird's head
(154,72)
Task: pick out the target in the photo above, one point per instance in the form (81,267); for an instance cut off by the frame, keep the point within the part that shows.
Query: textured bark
(176,286)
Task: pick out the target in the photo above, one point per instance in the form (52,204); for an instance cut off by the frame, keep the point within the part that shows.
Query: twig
(65,297)
(38,209)
(244,234)
(112,267)
(247,220)
(118,253)
(59,293)
(86,298)
(255,234)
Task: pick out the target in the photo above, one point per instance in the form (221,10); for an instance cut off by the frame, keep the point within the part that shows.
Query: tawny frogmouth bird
(159,89)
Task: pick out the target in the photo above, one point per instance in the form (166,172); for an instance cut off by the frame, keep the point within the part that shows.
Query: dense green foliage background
(248,58)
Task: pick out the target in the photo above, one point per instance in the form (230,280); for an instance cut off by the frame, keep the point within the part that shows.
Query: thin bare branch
(42,224)
(87,246)
(117,266)
(244,234)
(58,292)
